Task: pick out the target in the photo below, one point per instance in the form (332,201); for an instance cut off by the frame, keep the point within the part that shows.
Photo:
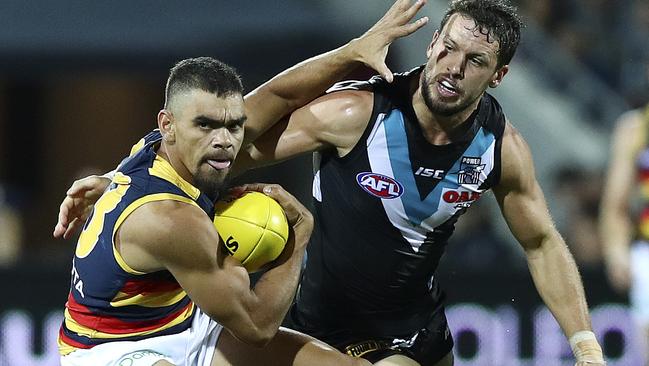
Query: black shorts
(427,346)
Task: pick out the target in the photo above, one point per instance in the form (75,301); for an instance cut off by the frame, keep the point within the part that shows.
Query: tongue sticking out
(219,164)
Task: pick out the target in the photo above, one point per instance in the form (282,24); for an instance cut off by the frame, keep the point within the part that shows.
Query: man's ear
(429,50)
(498,76)
(167,126)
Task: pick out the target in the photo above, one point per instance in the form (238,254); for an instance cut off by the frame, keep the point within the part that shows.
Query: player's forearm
(274,292)
(308,79)
(295,87)
(558,282)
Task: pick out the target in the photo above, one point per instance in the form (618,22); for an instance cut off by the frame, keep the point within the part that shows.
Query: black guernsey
(384,213)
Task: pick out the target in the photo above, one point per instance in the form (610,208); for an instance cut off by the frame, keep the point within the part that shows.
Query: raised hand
(78,203)
(372,46)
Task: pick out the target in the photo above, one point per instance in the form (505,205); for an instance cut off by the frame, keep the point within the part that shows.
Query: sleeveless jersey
(642,167)
(385,210)
(108,300)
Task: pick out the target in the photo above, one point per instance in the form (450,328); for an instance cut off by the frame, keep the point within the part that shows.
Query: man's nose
(222,138)
(456,67)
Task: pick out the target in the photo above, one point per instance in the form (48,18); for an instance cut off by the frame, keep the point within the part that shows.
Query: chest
(420,183)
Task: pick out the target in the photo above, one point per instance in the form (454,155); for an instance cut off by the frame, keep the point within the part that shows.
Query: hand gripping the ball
(299,218)
(262,230)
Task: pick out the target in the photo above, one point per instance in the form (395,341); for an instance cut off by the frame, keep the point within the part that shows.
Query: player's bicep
(332,121)
(182,238)
(519,195)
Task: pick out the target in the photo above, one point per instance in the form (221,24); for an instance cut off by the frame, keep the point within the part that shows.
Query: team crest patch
(470,170)
(379,185)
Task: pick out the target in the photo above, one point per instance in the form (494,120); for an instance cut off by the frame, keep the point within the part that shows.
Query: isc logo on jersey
(379,185)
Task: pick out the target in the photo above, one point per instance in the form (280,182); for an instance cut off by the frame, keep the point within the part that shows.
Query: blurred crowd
(609,37)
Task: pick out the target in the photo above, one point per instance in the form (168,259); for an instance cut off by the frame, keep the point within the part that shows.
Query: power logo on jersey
(379,185)
(470,170)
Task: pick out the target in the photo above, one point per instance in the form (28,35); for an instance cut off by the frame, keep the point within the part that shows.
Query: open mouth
(219,164)
(447,89)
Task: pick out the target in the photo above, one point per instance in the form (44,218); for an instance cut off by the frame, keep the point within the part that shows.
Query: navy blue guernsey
(385,211)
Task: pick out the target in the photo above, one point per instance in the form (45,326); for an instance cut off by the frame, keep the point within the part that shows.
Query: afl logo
(379,185)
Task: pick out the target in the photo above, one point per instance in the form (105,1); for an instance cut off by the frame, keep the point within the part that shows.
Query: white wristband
(110,175)
(586,348)
(581,336)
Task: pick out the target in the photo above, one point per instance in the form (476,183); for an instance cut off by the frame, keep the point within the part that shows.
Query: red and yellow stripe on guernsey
(80,320)
(148,294)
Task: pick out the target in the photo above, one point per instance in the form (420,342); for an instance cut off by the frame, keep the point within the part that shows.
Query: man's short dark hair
(204,73)
(497,19)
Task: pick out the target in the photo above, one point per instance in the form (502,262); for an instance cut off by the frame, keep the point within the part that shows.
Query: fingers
(59,230)
(63,218)
(72,228)
(401,12)
(413,9)
(293,209)
(92,183)
(81,185)
(384,71)
(411,28)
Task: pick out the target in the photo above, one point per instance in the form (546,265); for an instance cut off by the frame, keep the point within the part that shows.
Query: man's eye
(235,127)
(203,125)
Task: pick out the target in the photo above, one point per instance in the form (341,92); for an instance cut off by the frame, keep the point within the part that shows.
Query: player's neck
(439,129)
(165,153)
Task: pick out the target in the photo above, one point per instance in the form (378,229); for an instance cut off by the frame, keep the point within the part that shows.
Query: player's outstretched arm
(551,265)
(181,238)
(305,81)
(615,223)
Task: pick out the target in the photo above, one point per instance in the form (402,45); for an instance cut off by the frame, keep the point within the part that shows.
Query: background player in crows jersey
(624,227)
(150,280)
(399,163)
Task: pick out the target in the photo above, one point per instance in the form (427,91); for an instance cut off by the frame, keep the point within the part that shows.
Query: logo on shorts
(470,170)
(379,185)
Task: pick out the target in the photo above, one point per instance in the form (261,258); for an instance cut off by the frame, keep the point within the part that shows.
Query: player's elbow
(244,326)
(253,336)
(262,338)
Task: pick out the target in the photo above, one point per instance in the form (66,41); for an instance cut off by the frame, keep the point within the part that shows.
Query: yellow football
(253,228)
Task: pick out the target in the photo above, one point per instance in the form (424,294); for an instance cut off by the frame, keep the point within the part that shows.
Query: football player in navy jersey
(400,158)
(150,284)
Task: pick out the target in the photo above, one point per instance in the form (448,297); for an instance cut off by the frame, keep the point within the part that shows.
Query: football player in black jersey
(401,158)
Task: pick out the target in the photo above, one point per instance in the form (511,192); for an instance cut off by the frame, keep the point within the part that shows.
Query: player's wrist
(351,53)
(586,349)
(110,175)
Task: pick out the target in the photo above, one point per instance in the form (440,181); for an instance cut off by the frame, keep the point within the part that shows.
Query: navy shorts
(427,346)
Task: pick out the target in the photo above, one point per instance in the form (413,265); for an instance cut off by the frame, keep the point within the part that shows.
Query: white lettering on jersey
(430,173)
(76,281)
